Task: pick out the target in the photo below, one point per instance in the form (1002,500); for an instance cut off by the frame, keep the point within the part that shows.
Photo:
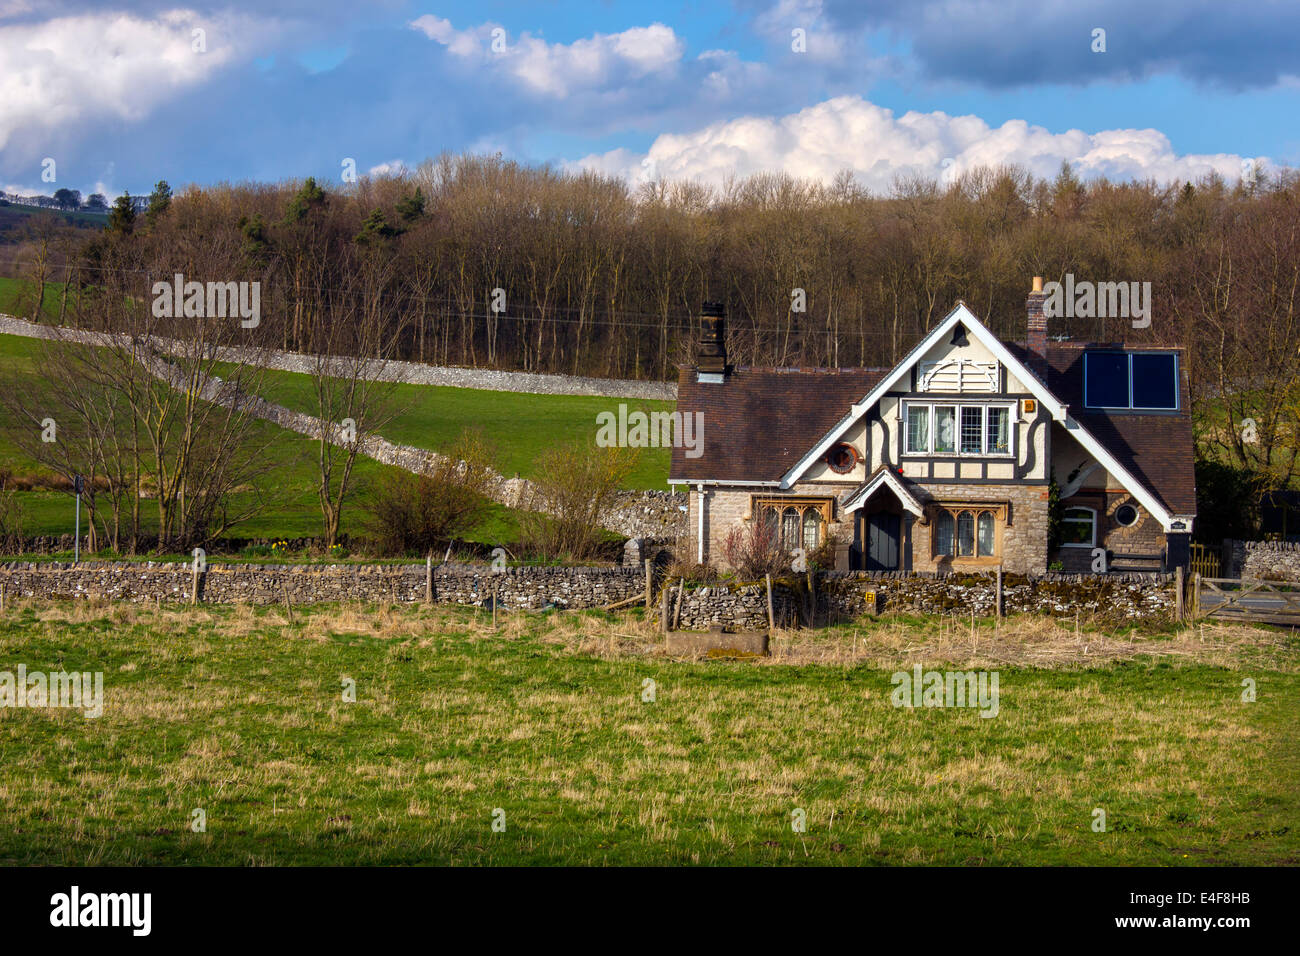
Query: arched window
(965,535)
(794,524)
(943,534)
(812,524)
(984,538)
(966,532)
(1079,528)
(790,529)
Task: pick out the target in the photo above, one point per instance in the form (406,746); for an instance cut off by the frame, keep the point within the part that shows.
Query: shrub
(573,486)
(414,513)
(754,549)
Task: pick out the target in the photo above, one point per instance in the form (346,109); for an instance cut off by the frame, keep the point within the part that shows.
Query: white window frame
(1130,407)
(931,404)
(1092,543)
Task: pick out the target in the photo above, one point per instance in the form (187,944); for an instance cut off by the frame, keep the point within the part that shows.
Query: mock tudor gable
(946,459)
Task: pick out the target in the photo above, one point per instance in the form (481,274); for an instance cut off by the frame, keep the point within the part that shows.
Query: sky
(113,96)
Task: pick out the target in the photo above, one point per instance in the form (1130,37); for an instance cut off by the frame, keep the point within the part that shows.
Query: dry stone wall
(532,588)
(1113,598)
(1262,560)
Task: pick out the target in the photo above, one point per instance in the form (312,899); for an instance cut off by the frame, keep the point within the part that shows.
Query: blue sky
(122,94)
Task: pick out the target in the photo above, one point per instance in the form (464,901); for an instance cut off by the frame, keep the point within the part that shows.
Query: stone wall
(306,584)
(1262,560)
(412,373)
(839,594)
(1113,598)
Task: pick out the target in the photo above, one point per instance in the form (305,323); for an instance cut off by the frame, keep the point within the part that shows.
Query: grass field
(519,427)
(291,509)
(237,712)
(15,293)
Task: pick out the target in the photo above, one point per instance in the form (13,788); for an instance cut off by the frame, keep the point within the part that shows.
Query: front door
(882,541)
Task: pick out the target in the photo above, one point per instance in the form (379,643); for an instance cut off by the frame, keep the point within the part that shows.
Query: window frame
(952,511)
(932,406)
(763,506)
(1130,407)
(1079,544)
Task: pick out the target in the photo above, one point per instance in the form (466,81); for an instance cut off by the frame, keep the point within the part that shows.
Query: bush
(754,549)
(412,514)
(573,486)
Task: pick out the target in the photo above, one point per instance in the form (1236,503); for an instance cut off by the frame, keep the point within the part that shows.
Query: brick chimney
(711,356)
(1036,332)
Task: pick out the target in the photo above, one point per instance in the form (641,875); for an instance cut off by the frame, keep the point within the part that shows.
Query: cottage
(947,460)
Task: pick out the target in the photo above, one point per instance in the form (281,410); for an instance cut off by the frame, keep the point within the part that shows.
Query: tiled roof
(760,422)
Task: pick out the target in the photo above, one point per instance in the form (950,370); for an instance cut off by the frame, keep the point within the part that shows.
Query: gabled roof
(884,477)
(899,372)
(758,423)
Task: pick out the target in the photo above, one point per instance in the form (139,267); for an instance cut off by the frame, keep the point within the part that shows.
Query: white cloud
(851,133)
(559,69)
(394,167)
(73,69)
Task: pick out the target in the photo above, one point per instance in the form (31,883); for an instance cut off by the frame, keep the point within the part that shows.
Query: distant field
(519,427)
(292,509)
(15,294)
(544,724)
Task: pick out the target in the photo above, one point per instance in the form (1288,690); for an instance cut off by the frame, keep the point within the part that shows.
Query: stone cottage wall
(1024,537)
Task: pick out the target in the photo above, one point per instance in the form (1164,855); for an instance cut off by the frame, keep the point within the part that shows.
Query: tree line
(483,261)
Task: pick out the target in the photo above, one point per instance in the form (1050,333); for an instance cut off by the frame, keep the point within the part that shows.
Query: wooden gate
(1234,599)
(1205,561)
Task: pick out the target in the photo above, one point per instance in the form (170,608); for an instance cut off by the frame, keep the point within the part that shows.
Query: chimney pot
(711,357)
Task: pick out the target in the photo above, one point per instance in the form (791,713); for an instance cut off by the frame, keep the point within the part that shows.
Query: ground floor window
(1079,528)
(967,531)
(795,522)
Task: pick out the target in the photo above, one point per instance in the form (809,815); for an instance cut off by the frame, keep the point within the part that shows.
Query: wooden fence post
(194,582)
(1196,594)
(663,608)
(771,618)
(1178,592)
(428,578)
(649,584)
(681,596)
